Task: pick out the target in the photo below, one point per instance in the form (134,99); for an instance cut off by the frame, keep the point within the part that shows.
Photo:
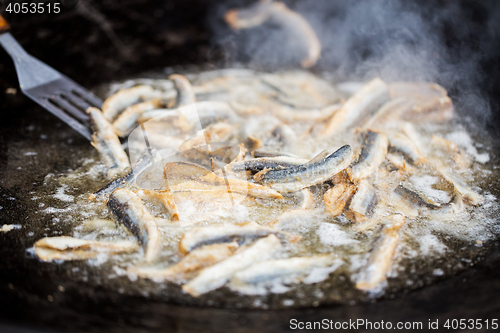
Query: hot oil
(431,246)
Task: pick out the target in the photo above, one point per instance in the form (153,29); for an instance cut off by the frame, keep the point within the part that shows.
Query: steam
(443,42)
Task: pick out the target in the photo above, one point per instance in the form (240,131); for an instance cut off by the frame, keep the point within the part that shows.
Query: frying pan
(42,297)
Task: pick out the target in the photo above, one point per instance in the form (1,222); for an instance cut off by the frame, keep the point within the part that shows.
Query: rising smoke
(453,43)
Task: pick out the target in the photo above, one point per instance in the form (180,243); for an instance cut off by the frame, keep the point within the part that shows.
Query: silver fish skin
(401,143)
(298,177)
(409,203)
(372,154)
(249,231)
(107,143)
(414,199)
(280,268)
(216,276)
(382,256)
(177,174)
(451,211)
(143,162)
(363,202)
(259,164)
(185,93)
(132,213)
(124,98)
(356,107)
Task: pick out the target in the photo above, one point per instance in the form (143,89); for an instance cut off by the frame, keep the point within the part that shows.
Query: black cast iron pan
(41,297)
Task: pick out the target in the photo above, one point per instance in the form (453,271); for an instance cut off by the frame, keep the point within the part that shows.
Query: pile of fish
(240,161)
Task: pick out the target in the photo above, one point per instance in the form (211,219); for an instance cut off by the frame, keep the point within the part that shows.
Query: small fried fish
(401,143)
(107,144)
(194,261)
(245,232)
(363,203)
(144,161)
(70,248)
(216,276)
(132,213)
(295,178)
(127,120)
(372,154)
(124,98)
(337,197)
(356,107)
(290,270)
(185,93)
(382,256)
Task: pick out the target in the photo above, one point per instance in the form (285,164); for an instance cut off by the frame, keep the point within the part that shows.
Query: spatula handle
(4,25)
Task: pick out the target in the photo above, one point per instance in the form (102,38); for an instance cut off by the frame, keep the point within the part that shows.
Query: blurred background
(455,43)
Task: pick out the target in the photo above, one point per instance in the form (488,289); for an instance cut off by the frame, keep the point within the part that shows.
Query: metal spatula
(55,92)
